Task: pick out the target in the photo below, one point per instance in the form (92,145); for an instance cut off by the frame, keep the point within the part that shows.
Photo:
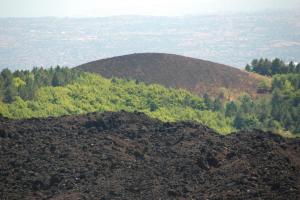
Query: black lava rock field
(131,156)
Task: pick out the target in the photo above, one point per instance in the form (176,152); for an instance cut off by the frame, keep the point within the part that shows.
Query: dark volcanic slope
(129,156)
(196,75)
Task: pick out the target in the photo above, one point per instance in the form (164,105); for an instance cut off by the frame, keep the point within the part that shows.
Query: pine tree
(231,109)
(55,81)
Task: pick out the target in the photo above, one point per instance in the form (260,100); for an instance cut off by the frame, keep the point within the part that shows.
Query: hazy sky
(85,8)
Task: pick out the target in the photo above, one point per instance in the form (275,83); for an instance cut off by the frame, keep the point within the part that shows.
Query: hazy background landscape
(232,38)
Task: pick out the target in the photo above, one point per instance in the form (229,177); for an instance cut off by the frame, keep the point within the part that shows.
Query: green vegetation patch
(62,91)
(90,93)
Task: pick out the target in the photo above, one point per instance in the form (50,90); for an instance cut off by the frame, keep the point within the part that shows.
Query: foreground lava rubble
(131,156)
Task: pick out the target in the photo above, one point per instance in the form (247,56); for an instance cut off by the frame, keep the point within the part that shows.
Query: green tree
(153,106)
(217,105)
(231,109)
(247,105)
(246,122)
(207,101)
(291,67)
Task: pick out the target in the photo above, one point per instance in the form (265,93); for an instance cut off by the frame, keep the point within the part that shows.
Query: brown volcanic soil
(130,156)
(195,75)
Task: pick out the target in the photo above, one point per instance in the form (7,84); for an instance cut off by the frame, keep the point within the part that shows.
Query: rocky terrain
(130,156)
(195,75)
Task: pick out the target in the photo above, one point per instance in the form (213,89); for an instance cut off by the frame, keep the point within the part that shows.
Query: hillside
(131,156)
(195,75)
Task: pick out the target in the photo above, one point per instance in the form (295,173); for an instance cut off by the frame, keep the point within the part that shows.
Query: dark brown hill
(195,75)
(130,156)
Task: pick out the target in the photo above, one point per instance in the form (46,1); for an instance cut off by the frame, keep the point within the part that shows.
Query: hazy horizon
(94,8)
(228,39)
(72,32)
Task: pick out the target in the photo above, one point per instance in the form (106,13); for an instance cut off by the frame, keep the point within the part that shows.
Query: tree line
(25,83)
(272,67)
